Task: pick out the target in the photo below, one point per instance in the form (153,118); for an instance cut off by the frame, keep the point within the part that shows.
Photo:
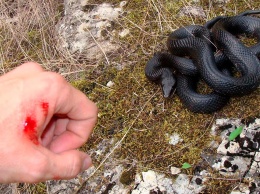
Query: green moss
(39,188)
(34,36)
(128,176)
(83,85)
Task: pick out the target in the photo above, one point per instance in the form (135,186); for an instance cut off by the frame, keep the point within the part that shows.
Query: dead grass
(28,34)
(133,112)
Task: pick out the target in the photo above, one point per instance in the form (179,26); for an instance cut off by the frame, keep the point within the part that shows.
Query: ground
(133,116)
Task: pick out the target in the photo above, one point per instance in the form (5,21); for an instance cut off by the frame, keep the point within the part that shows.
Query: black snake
(193,55)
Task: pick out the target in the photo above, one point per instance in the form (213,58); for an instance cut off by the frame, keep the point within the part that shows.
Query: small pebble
(124,32)
(110,84)
(175,170)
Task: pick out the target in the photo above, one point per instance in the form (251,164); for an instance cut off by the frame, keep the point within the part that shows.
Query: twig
(98,45)
(159,15)
(79,71)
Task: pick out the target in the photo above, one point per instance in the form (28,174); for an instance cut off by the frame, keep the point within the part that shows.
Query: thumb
(69,164)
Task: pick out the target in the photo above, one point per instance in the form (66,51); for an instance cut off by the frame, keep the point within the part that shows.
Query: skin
(62,119)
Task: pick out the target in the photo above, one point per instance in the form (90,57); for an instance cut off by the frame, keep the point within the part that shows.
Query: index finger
(80,114)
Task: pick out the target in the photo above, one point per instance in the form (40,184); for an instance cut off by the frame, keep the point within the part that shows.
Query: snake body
(196,102)
(193,56)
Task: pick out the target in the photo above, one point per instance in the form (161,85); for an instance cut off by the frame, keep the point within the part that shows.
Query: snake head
(168,82)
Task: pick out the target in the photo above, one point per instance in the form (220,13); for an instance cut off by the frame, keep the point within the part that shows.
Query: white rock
(240,162)
(234,147)
(83,2)
(174,139)
(149,178)
(236,192)
(117,189)
(257,157)
(124,32)
(181,185)
(82,31)
(192,10)
(122,3)
(152,181)
(175,170)
(110,84)
(222,1)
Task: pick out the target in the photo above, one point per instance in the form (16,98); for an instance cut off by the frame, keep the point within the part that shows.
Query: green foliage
(235,133)
(185,165)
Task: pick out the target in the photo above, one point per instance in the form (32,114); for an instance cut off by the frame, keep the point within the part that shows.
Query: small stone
(124,32)
(122,3)
(150,177)
(222,1)
(110,84)
(174,139)
(83,3)
(175,170)
(257,157)
(192,10)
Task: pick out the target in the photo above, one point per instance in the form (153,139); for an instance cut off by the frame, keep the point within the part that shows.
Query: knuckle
(33,65)
(54,78)
(51,80)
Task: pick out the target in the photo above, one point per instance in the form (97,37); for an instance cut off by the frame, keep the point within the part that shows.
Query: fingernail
(87,163)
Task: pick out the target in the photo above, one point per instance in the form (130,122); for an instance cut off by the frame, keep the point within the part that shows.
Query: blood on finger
(45,108)
(30,124)
(29,130)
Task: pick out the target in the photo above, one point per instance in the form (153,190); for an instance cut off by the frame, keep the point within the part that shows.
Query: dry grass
(27,33)
(133,112)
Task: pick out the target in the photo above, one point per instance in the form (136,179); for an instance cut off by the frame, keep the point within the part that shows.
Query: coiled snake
(193,56)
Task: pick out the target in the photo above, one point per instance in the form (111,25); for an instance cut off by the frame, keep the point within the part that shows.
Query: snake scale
(210,52)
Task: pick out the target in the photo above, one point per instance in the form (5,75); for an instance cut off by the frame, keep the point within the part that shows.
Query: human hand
(43,122)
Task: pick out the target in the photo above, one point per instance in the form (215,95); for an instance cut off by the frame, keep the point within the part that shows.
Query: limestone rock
(84,28)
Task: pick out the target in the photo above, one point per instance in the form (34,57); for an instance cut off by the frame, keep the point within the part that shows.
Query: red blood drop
(30,130)
(56,178)
(45,108)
